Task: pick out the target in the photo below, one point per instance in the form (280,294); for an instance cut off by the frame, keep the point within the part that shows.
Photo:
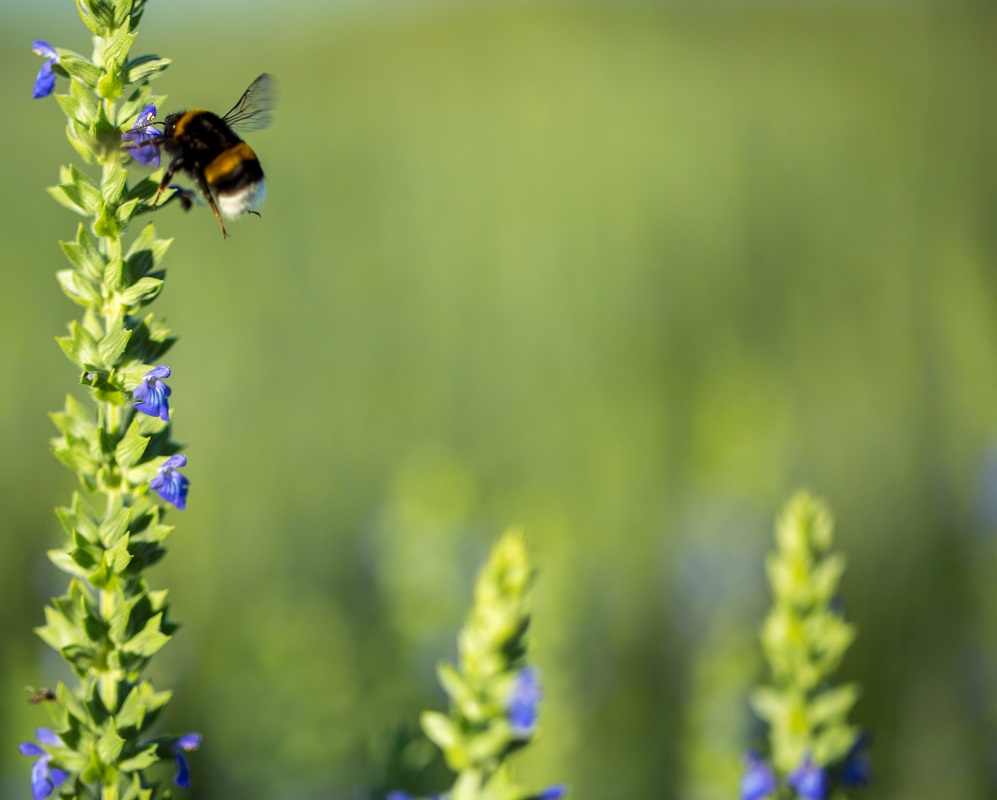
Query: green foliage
(477,736)
(109,624)
(804,637)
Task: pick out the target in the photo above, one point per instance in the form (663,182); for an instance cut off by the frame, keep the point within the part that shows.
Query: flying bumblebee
(206,147)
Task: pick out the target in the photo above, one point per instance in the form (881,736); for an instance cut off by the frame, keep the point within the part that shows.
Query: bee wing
(252,112)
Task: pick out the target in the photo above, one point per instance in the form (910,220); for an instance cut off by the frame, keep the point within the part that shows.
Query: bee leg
(206,191)
(165,182)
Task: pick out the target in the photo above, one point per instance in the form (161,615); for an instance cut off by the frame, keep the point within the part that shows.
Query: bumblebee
(206,147)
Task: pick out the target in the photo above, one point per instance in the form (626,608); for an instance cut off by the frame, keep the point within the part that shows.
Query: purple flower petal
(175,462)
(145,116)
(857,769)
(170,484)
(43,780)
(524,702)
(42,48)
(189,741)
(152,394)
(182,778)
(554,792)
(45,82)
(141,139)
(759,780)
(47,736)
(809,781)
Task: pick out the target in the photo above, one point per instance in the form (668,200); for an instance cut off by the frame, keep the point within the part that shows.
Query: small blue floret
(809,781)
(857,769)
(524,702)
(186,743)
(140,141)
(554,792)
(44,779)
(45,82)
(172,487)
(153,392)
(759,780)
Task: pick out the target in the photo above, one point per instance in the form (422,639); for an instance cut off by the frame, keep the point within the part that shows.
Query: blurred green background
(627,274)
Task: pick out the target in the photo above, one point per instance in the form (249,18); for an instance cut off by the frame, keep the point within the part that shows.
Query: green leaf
(78,288)
(88,18)
(454,684)
(109,86)
(769,704)
(441,730)
(75,421)
(149,640)
(143,68)
(80,104)
(116,50)
(76,458)
(122,11)
(833,705)
(114,183)
(131,447)
(825,579)
(127,210)
(82,141)
(143,291)
(143,760)
(107,222)
(146,252)
(68,199)
(79,190)
(113,345)
(58,632)
(114,272)
(84,254)
(833,744)
(80,67)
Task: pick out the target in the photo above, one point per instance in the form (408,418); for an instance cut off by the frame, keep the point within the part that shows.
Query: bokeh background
(625,273)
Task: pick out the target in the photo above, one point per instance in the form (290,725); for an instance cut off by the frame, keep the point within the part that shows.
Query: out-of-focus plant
(110,622)
(494,693)
(815,753)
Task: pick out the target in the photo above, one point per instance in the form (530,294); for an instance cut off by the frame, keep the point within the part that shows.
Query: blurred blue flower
(44,779)
(857,769)
(809,781)
(758,780)
(153,392)
(186,743)
(140,141)
(45,82)
(172,486)
(553,792)
(396,795)
(524,702)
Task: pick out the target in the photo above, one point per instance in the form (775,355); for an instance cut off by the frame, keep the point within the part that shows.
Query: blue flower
(808,780)
(554,792)
(186,743)
(44,779)
(172,486)
(45,82)
(524,702)
(758,780)
(153,392)
(140,141)
(857,769)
